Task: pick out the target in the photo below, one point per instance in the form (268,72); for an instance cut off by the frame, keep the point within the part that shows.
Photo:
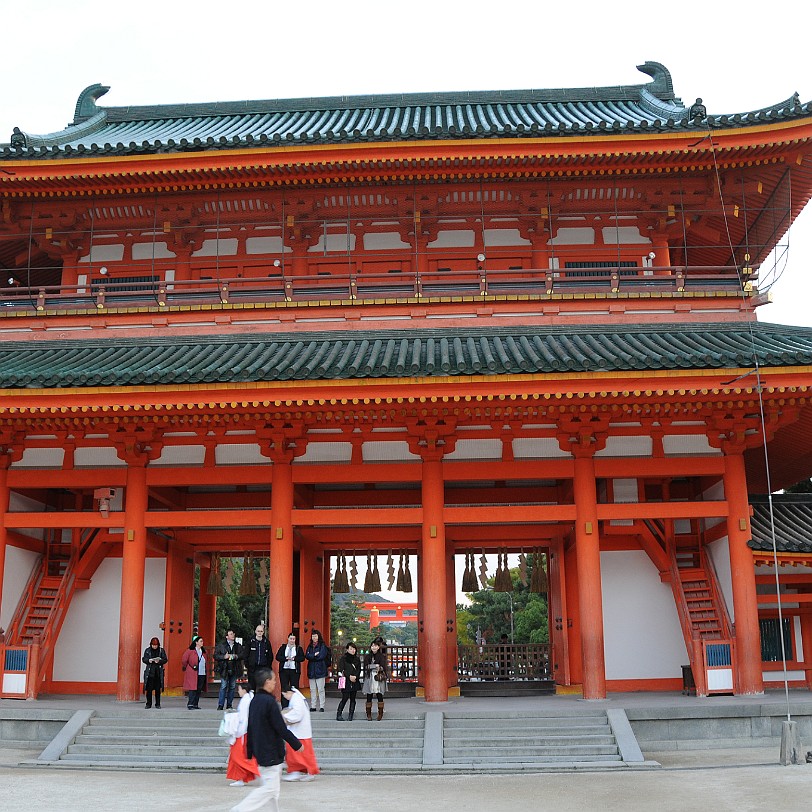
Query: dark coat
(190,661)
(267,732)
(226,667)
(350,665)
(380,659)
(300,656)
(154,672)
(256,649)
(317,664)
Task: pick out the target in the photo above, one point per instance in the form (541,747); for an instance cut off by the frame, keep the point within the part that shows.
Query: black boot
(352,710)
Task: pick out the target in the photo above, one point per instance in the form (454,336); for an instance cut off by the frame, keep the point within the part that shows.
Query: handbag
(342,683)
(223,730)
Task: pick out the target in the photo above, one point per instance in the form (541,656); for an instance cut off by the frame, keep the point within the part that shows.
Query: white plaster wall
(642,635)
(87,649)
(17,571)
(476,450)
(719,552)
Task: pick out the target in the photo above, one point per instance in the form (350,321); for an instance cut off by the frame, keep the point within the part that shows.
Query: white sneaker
(308,777)
(237,784)
(292,777)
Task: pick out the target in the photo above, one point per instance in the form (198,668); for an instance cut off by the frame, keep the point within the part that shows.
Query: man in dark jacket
(228,664)
(259,655)
(265,741)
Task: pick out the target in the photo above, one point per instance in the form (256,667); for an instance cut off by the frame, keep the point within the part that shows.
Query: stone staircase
(405,741)
(530,740)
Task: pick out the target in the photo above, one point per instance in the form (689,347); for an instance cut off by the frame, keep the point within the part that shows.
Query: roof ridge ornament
(662,87)
(86,103)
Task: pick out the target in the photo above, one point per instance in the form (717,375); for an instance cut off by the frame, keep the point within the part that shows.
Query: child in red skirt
(241,769)
(301,764)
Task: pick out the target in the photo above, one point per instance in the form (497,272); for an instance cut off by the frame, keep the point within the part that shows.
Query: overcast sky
(734,57)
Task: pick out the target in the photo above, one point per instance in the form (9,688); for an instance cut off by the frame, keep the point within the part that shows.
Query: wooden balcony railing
(269,284)
(510,661)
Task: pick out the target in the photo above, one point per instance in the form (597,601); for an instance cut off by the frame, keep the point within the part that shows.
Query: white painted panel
(462,238)
(181,455)
(642,635)
(87,649)
(265,245)
(538,448)
(239,454)
(341,242)
(625,235)
(719,552)
(104,253)
(97,458)
(720,679)
(41,458)
(574,236)
(504,236)
(326,452)
(716,493)
(682,526)
(384,241)
(625,491)
(227,248)
(626,447)
(476,450)
(799,644)
(683,444)
(778,676)
(14,683)
(18,568)
(144,250)
(384,451)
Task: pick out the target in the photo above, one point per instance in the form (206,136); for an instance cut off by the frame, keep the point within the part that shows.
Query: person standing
(240,769)
(265,741)
(317,656)
(349,668)
(228,664)
(290,658)
(194,672)
(375,676)
(258,656)
(301,764)
(154,659)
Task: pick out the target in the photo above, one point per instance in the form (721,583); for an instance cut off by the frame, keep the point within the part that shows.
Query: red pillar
(451,616)
(588,557)
(743,575)
(178,609)
(4,505)
(570,620)
(206,613)
(311,588)
(280,602)
(433,584)
(134,549)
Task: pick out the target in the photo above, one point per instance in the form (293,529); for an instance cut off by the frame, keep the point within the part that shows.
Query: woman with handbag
(194,672)
(375,676)
(154,659)
(349,680)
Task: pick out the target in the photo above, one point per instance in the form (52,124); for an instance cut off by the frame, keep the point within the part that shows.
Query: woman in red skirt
(241,769)
(301,764)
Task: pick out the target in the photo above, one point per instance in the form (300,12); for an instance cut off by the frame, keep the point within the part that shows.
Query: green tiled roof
(398,353)
(650,107)
(792,518)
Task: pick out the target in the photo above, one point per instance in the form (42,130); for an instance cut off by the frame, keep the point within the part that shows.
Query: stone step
(529,752)
(534,763)
(144,761)
(154,751)
(151,741)
(525,722)
(520,741)
(380,746)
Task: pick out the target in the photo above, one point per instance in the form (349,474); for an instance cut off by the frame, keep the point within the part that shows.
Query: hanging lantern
(352,583)
(469,582)
(340,587)
(483,570)
(376,577)
(368,587)
(523,577)
(248,584)
(538,581)
(407,576)
(401,574)
(215,585)
(229,578)
(390,571)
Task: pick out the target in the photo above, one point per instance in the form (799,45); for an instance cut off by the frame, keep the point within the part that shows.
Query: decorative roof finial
(698,111)
(662,87)
(86,103)
(18,138)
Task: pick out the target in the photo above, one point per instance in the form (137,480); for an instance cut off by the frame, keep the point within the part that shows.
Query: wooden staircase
(706,626)
(45,600)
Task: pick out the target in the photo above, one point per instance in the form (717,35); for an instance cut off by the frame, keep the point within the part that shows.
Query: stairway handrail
(718,597)
(34,579)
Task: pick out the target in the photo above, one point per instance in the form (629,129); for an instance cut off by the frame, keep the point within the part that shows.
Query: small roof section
(409,353)
(620,109)
(792,514)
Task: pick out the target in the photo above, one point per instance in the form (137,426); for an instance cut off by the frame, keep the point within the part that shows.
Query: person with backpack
(318,656)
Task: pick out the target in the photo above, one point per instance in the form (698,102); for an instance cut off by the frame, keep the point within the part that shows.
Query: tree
(351,619)
(240,612)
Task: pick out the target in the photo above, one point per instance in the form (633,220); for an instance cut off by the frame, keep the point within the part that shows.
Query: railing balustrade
(504,661)
(269,284)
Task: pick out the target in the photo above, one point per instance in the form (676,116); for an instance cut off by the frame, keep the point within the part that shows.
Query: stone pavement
(688,781)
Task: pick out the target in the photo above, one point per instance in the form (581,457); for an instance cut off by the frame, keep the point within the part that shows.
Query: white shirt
(297,716)
(290,656)
(201,664)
